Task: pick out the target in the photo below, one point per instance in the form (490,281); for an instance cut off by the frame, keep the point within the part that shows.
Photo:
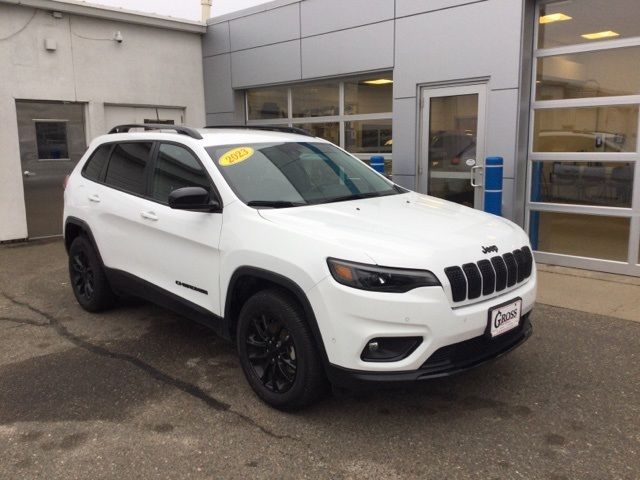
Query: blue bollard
(377,163)
(493,185)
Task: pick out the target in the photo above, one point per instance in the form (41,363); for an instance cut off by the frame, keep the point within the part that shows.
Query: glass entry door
(452,144)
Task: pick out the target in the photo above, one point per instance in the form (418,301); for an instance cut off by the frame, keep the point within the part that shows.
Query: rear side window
(175,168)
(127,166)
(93,168)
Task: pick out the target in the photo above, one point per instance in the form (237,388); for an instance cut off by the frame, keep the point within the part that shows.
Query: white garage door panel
(120,115)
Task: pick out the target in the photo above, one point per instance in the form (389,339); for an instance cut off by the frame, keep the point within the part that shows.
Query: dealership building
(433,86)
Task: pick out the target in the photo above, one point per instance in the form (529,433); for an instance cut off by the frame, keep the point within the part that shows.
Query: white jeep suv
(315,265)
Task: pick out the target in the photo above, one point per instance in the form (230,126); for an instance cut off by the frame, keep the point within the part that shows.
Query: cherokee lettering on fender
(489,249)
(502,318)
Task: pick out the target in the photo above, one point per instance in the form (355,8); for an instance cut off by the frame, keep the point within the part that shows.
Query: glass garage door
(583,206)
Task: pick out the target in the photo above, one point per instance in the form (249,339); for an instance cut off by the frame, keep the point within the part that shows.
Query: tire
(87,277)
(272,338)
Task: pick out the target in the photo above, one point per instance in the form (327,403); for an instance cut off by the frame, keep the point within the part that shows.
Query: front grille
(476,350)
(486,277)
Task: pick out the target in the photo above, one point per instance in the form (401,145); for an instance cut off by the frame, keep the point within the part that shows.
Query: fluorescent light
(555,17)
(380,81)
(597,35)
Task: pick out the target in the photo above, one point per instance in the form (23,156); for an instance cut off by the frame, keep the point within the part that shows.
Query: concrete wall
(424,42)
(153,66)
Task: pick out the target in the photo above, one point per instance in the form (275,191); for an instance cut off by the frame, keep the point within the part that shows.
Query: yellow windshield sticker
(236,155)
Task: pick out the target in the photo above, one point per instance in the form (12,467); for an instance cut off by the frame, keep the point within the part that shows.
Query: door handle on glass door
(149,216)
(94,198)
(473,176)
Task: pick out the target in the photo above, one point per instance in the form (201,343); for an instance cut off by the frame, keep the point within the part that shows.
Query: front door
(451,161)
(52,140)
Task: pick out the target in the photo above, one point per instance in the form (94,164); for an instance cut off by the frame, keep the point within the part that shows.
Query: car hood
(407,230)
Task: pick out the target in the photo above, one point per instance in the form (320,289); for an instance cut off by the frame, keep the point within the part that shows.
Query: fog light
(389,349)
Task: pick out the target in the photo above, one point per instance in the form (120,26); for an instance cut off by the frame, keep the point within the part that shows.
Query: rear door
(116,206)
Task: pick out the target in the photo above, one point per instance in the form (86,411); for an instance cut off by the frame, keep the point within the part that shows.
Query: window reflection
(583,183)
(592,236)
(316,100)
(586,18)
(368,96)
(589,74)
(368,136)
(267,103)
(586,129)
(327,131)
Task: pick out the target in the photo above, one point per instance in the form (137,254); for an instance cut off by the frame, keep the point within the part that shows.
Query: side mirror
(193,198)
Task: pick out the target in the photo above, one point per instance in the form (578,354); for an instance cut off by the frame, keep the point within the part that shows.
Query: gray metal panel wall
(411,7)
(458,43)
(322,16)
(348,51)
(265,65)
(274,26)
(217,72)
(216,41)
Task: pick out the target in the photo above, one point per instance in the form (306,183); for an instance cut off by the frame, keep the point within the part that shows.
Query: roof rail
(191,132)
(295,130)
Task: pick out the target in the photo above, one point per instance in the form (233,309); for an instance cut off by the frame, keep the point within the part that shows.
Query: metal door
(52,140)
(451,161)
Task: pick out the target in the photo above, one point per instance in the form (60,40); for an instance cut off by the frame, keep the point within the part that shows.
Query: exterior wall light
(118,37)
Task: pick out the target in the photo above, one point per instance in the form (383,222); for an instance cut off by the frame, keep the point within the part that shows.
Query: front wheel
(88,280)
(277,351)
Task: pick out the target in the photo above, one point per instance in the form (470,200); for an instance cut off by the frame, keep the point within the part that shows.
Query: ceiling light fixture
(597,35)
(380,81)
(554,17)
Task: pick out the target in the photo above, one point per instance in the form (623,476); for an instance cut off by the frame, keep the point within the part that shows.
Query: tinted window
(126,167)
(93,167)
(176,168)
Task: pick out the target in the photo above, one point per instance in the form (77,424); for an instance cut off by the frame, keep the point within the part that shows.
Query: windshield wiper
(274,203)
(355,196)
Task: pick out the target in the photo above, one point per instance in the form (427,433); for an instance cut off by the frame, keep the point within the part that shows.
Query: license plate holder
(504,317)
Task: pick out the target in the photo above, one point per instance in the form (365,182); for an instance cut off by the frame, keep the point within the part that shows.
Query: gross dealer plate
(505,317)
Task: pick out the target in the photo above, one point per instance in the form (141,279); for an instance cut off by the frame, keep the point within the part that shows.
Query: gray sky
(189,9)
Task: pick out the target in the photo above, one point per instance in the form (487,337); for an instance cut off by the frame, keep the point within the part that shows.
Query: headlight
(380,279)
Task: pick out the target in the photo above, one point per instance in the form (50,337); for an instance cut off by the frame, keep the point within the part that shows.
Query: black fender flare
(287,284)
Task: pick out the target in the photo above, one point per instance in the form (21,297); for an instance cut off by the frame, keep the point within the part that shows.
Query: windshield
(289,174)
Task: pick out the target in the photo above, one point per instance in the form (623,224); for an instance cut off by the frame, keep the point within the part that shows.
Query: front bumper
(446,361)
(349,318)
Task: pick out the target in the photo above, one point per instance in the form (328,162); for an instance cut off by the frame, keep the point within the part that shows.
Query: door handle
(473,176)
(94,198)
(149,216)
(27,173)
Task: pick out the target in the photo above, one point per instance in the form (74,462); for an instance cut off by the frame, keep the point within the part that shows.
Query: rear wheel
(277,351)
(88,280)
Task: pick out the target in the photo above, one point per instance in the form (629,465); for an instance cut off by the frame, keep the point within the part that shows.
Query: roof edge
(97,11)
(245,12)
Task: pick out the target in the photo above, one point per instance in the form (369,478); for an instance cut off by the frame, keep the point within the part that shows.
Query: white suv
(317,267)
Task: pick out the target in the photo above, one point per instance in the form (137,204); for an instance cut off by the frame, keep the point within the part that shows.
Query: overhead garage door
(120,115)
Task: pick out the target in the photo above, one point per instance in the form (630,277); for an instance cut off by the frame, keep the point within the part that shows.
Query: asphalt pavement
(138,392)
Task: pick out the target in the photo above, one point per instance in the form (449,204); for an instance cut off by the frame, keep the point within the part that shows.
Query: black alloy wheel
(82,276)
(88,280)
(271,353)
(278,352)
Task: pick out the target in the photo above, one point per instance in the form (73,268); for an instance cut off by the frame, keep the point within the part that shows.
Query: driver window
(175,168)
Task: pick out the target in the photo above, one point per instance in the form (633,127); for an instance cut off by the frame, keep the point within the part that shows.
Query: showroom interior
(433,86)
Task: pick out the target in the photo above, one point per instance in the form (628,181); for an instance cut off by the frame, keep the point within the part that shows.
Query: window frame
(632,264)
(36,121)
(341,118)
